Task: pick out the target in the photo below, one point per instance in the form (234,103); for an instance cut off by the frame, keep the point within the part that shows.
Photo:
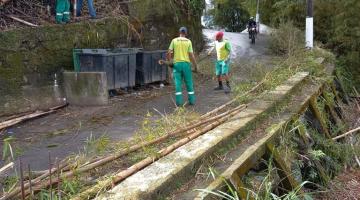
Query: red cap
(219,35)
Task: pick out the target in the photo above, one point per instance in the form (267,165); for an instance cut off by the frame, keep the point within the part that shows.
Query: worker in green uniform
(181,51)
(62,11)
(223,51)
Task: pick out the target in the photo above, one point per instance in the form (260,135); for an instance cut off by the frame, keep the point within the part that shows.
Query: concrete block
(86,88)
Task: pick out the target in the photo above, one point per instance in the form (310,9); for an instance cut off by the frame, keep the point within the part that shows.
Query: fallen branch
(12,122)
(93,191)
(21,21)
(346,134)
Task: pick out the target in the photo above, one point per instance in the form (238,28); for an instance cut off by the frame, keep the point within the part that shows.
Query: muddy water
(67,131)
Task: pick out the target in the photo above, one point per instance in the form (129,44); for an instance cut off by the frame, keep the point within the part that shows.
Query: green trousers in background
(182,71)
(62,11)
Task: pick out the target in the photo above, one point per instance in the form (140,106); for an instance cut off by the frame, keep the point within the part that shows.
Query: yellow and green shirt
(223,49)
(181,47)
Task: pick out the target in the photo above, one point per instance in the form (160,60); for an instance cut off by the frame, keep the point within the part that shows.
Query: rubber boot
(227,88)
(220,87)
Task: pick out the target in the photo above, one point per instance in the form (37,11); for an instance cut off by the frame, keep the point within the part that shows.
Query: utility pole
(258,16)
(309,24)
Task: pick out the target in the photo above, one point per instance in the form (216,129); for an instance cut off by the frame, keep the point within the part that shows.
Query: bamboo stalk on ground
(93,191)
(102,161)
(157,140)
(6,167)
(346,134)
(27,185)
(36,114)
(21,21)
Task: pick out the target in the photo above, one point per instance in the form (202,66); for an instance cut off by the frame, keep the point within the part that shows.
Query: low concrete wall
(86,88)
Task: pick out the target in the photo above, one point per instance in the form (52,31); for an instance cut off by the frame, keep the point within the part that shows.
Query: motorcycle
(252,33)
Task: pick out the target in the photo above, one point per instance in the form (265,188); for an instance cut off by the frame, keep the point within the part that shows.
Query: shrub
(286,40)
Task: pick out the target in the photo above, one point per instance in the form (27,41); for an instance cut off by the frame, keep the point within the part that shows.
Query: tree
(346,40)
(231,15)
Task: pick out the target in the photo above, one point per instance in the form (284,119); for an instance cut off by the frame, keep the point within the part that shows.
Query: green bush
(286,40)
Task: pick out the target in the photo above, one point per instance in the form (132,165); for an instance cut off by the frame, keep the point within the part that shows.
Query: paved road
(66,132)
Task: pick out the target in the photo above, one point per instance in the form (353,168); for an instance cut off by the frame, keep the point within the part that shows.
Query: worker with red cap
(223,51)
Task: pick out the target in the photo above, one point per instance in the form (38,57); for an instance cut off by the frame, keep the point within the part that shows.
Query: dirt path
(67,131)
(346,186)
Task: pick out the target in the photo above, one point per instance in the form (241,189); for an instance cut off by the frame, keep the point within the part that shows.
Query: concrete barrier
(86,88)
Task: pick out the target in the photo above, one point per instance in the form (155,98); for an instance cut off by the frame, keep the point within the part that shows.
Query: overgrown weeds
(287,40)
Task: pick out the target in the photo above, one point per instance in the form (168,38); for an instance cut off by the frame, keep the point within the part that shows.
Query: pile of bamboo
(33,13)
(185,134)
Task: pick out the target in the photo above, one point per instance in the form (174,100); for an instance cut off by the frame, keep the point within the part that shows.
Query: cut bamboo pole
(91,192)
(126,173)
(35,181)
(12,122)
(21,21)
(157,140)
(346,134)
(6,167)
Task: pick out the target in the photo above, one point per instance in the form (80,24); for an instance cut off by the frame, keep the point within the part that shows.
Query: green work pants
(182,71)
(62,11)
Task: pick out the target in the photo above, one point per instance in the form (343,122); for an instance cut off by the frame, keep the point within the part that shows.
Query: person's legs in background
(177,74)
(189,83)
(92,11)
(218,72)
(79,4)
(225,76)
(66,17)
(60,8)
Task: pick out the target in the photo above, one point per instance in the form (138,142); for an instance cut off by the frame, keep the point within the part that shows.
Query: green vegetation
(264,190)
(336,27)
(230,15)
(67,189)
(335,23)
